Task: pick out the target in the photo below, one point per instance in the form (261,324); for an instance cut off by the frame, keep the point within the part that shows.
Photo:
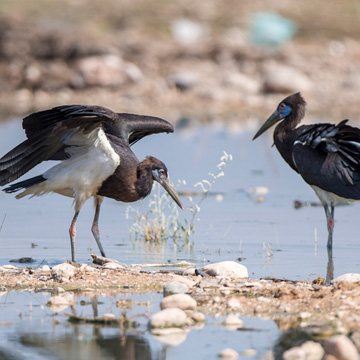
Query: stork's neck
(284,137)
(144,178)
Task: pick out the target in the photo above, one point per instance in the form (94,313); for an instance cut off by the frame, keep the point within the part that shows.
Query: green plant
(155,225)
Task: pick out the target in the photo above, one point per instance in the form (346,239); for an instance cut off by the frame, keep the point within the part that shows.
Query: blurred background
(210,61)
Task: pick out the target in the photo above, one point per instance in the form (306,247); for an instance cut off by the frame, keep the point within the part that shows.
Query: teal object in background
(271,30)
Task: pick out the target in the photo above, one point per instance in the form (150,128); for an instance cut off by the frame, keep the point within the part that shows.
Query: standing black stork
(93,146)
(327,156)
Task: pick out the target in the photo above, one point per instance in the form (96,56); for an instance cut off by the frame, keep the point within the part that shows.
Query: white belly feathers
(91,160)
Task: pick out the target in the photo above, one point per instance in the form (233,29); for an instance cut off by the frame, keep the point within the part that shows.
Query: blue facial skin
(284,110)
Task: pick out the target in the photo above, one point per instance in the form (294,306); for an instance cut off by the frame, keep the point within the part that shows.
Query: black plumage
(92,144)
(327,156)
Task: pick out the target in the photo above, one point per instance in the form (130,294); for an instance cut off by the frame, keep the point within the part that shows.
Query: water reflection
(39,333)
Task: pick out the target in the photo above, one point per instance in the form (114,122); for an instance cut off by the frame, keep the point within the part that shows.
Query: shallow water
(236,227)
(30,330)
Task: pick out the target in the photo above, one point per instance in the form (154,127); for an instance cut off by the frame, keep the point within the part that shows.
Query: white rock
(233,303)
(63,270)
(342,348)
(295,353)
(188,32)
(45,268)
(233,322)
(226,268)
(286,80)
(189,271)
(170,336)
(175,287)
(9,267)
(112,266)
(309,350)
(249,352)
(350,277)
(180,301)
(228,354)
(109,317)
(197,316)
(171,317)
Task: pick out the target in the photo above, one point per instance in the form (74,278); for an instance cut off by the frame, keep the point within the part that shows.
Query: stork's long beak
(169,187)
(272,120)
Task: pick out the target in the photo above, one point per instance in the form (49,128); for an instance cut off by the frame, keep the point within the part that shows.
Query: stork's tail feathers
(24,184)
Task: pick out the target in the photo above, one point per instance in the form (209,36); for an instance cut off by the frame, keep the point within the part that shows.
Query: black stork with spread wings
(327,156)
(92,144)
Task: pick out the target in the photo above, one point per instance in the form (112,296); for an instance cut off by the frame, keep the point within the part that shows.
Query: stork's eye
(281,107)
(162,173)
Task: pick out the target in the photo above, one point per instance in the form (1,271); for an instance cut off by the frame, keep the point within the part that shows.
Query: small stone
(309,350)
(226,268)
(113,266)
(342,348)
(190,271)
(233,303)
(63,271)
(228,354)
(249,352)
(45,268)
(171,317)
(305,315)
(233,322)
(109,317)
(9,267)
(175,287)
(197,316)
(180,301)
(350,277)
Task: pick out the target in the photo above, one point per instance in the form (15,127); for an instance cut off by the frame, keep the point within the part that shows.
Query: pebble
(350,277)
(113,266)
(180,301)
(233,322)
(46,268)
(175,287)
(171,317)
(233,303)
(309,350)
(189,32)
(63,270)
(341,348)
(249,352)
(109,317)
(226,268)
(190,271)
(228,354)
(9,267)
(197,316)
(169,336)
